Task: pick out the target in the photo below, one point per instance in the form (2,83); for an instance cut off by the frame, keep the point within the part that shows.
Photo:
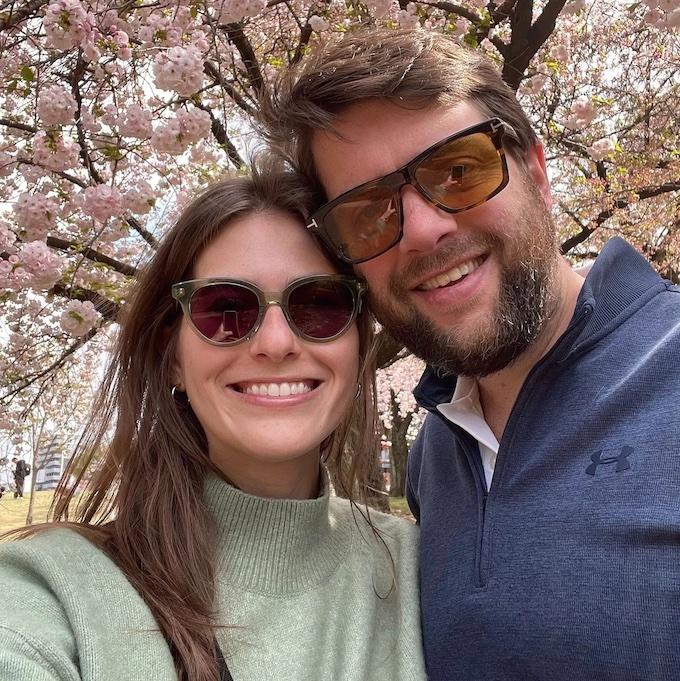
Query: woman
(208,528)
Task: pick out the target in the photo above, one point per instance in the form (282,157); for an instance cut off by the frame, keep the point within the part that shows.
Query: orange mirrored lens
(366,223)
(463,173)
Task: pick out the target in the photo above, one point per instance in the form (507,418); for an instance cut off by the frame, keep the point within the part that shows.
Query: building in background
(50,463)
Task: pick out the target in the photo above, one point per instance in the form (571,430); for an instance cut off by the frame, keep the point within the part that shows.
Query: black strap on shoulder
(225,674)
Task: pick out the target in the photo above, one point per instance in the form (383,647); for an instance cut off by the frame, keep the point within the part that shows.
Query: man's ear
(534,162)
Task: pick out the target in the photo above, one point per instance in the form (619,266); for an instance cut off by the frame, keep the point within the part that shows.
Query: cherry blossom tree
(115,112)
(399,414)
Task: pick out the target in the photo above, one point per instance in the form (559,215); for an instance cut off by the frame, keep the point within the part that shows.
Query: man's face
(467,292)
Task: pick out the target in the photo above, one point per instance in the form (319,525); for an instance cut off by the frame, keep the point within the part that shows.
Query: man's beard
(525,302)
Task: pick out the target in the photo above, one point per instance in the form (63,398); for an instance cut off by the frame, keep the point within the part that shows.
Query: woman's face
(264,443)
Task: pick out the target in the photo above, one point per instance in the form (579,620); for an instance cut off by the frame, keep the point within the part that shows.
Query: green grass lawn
(399,506)
(13,511)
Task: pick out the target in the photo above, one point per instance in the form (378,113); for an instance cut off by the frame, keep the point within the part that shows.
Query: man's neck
(498,391)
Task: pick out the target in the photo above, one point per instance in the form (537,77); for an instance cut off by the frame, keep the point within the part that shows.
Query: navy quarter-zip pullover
(568,568)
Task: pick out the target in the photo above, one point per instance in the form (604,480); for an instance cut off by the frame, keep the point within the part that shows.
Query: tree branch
(91,254)
(145,234)
(211,70)
(220,134)
(18,126)
(248,57)
(13,18)
(106,308)
(603,216)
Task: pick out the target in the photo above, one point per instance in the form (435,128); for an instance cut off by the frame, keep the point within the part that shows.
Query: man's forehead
(374,138)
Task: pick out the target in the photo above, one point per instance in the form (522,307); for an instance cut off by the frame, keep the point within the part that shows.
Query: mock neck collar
(275,546)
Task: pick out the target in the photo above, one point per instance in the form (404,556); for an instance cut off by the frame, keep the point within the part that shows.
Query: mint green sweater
(298,579)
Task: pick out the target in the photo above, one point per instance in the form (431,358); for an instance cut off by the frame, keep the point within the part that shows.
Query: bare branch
(18,126)
(212,71)
(220,134)
(248,57)
(144,233)
(13,18)
(603,216)
(91,254)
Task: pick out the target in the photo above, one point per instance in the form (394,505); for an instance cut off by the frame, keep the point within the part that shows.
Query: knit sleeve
(36,640)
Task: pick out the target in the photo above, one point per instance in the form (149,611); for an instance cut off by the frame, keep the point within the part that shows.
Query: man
(546,477)
(21,470)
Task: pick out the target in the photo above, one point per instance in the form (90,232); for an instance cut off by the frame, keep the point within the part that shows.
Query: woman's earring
(179,396)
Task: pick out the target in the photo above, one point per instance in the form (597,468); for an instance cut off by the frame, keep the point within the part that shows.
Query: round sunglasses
(455,174)
(229,311)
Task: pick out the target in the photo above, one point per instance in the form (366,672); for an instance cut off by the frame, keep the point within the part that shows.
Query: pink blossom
(380,8)
(42,266)
(318,24)
(176,134)
(102,202)
(581,114)
(179,69)
(601,149)
(55,152)
(235,10)
(7,237)
(56,105)
(140,199)
(36,214)
(67,24)
(135,122)
(79,317)
(6,164)
(408,17)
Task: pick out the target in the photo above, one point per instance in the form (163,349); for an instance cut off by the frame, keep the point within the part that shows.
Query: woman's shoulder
(49,550)
(392,529)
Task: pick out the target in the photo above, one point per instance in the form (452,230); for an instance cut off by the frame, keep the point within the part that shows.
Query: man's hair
(411,68)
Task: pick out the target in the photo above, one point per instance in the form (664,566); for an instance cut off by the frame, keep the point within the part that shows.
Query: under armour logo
(621,461)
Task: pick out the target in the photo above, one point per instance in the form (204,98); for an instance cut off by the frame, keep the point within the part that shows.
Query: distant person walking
(21,470)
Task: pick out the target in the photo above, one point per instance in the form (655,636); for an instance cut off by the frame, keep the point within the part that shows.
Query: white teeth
(277,389)
(454,274)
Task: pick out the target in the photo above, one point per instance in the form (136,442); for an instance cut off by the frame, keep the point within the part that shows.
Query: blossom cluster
(230,11)
(34,265)
(56,105)
(140,199)
(102,202)
(67,24)
(36,214)
(135,122)
(581,114)
(179,69)
(601,149)
(175,135)
(79,318)
(55,152)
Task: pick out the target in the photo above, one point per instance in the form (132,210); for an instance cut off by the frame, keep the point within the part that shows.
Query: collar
(276,546)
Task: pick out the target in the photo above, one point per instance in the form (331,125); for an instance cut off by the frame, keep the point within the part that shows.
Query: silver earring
(178,395)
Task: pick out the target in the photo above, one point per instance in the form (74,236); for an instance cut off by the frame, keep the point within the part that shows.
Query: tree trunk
(399,449)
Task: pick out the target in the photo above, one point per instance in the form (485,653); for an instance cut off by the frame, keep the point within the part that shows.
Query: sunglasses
(229,311)
(459,172)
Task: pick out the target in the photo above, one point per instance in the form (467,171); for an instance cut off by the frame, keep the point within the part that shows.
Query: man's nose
(425,225)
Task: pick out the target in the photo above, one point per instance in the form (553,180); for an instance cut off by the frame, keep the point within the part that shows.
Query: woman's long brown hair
(142,502)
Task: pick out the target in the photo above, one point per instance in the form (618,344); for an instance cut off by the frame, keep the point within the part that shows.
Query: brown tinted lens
(365,224)
(462,173)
